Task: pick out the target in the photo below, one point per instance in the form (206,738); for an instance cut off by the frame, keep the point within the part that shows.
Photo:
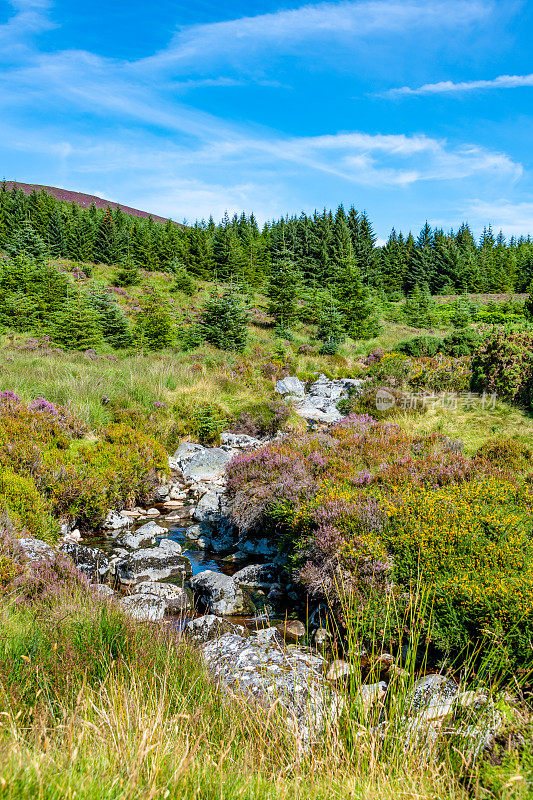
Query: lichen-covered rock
(261,576)
(208,508)
(153,563)
(431,690)
(202,629)
(142,537)
(218,593)
(290,385)
(144,607)
(102,590)
(206,465)
(176,597)
(116,521)
(239,441)
(261,669)
(36,549)
(93,562)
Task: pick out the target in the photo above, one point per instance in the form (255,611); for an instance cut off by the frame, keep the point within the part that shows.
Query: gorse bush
(471,544)
(57,472)
(26,509)
(373,510)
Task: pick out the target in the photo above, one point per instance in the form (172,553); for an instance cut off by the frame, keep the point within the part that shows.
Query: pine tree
(330,329)
(104,245)
(127,274)
(282,291)
(114,325)
(182,280)
(359,311)
(77,325)
(57,240)
(224,321)
(26,242)
(154,327)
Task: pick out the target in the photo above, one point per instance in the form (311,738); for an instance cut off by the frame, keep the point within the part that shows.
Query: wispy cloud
(286,30)
(448,87)
(30,17)
(516,218)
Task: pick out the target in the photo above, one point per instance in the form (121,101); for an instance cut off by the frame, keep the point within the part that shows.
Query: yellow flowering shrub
(472,544)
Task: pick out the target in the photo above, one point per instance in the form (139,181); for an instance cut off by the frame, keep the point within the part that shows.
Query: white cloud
(514,218)
(287,29)
(30,18)
(446,87)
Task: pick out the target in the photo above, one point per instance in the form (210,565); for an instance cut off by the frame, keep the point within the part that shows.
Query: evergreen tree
(154,327)
(57,240)
(114,325)
(104,245)
(282,291)
(26,242)
(77,325)
(224,321)
(182,280)
(127,274)
(330,330)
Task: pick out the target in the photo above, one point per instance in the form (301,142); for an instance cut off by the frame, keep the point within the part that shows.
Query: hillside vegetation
(410,520)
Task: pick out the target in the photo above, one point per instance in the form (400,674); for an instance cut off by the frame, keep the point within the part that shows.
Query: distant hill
(82,200)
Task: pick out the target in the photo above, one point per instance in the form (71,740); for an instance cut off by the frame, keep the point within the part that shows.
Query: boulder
(219,593)
(322,640)
(208,508)
(143,536)
(36,550)
(116,521)
(187,450)
(290,385)
(144,607)
(340,670)
(292,630)
(102,590)
(207,465)
(263,671)
(93,562)
(153,563)
(431,690)
(261,576)
(202,629)
(176,597)
(257,547)
(239,441)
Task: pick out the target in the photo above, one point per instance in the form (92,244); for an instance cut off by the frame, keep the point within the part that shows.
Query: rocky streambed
(182,563)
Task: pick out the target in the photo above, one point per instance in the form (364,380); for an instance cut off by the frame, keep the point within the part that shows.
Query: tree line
(325,249)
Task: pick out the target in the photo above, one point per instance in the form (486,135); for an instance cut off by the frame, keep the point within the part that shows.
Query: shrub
(26,509)
(471,545)
(421,346)
(503,364)
(441,374)
(506,453)
(461,343)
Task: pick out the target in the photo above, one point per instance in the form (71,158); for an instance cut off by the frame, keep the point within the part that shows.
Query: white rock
(218,593)
(144,607)
(290,385)
(115,521)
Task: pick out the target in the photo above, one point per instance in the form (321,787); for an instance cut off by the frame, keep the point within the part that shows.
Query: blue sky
(410,109)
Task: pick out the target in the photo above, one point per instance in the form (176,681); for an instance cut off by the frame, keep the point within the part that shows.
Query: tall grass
(95,706)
